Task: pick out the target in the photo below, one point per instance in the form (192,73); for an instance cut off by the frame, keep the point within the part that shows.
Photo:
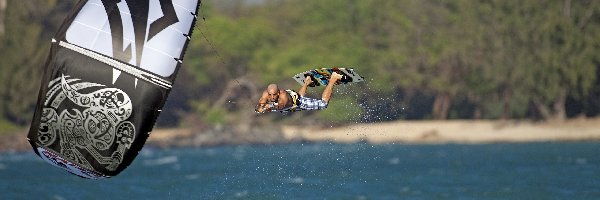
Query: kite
(110,69)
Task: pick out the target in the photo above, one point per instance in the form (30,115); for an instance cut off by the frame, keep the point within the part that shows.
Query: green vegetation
(431,59)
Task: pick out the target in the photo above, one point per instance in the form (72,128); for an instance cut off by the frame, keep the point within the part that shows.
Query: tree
(29,26)
(563,47)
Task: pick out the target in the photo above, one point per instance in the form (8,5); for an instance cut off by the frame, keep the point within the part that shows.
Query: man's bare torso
(284,100)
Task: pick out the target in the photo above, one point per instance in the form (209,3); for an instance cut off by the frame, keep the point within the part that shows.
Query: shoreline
(394,132)
(455,131)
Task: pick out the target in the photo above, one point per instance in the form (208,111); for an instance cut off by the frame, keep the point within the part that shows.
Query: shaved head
(272,88)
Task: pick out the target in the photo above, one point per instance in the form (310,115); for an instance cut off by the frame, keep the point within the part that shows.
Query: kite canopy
(110,69)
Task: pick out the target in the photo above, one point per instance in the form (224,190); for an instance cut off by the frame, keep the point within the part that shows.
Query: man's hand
(262,108)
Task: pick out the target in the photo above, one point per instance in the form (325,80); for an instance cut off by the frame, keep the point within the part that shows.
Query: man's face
(273,95)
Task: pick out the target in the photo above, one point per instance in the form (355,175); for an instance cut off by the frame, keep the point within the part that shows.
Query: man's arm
(307,81)
(335,77)
(262,105)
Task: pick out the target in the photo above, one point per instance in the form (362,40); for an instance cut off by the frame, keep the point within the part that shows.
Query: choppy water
(326,171)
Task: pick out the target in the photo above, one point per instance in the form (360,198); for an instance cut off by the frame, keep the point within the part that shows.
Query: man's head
(273,92)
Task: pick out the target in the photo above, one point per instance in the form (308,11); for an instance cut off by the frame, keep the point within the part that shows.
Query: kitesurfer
(275,99)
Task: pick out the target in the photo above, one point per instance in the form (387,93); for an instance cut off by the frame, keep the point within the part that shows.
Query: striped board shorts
(312,104)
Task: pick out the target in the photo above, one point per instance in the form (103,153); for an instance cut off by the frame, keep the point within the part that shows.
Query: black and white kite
(110,69)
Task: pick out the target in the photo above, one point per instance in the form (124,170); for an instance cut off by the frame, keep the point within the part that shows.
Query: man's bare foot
(336,77)
(307,80)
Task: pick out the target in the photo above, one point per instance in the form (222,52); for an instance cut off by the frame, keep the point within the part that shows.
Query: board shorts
(304,103)
(311,104)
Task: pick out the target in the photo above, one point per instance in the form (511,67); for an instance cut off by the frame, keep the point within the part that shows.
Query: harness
(295,101)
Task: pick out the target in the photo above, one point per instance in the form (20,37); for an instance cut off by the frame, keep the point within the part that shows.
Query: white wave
(241,194)
(147,152)
(296,180)
(161,161)
(192,176)
(581,161)
(394,161)
(58,197)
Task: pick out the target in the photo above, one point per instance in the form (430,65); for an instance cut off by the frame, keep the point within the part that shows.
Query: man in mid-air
(274,99)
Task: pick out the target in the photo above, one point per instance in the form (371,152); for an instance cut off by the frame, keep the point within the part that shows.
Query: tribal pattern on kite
(95,123)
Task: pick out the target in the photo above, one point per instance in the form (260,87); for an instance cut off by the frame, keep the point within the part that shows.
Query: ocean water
(326,171)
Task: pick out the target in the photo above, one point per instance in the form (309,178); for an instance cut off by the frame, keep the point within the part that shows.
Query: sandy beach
(453,131)
(418,132)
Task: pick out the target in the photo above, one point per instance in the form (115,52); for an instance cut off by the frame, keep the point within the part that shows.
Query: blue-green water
(326,171)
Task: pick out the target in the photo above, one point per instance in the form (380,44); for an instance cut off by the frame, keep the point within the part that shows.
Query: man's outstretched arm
(307,81)
(262,103)
(335,77)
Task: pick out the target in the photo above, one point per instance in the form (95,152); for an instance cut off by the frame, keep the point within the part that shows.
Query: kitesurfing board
(320,77)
